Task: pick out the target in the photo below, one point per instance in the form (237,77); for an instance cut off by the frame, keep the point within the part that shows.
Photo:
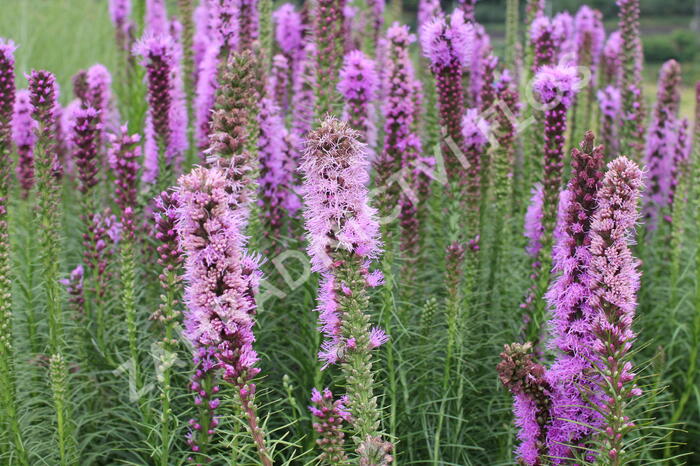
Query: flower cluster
(358,85)
(330,415)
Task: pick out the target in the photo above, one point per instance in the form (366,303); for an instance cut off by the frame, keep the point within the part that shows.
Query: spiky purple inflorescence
(481,69)
(330,415)
(610,102)
(225,25)
(23,128)
(248,23)
(7,102)
(475,132)
(124,154)
(338,215)
(533,222)
(289,32)
(428,10)
(449,50)
(542,43)
(589,35)
(526,380)
(278,82)
(632,132)
(99,96)
(661,142)
(275,180)
(85,137)
(564,37)
(43,96)
(120,13)
(555,88)
(74,288)
(571,375)
(614,281)
(358,85)
(220,312)
(164,130)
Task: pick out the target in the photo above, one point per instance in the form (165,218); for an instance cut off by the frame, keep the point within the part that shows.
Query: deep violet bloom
(661,142)
(358,85)
(164,130)
(399,112)
(571,375)
(85,136)
(23,127)
(329,416)
(614,281)
(225,25)
(99,96)
(124,154)
(448,47)
(542,41)
(43,96)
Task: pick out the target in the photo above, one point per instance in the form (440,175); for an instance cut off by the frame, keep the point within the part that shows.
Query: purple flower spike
(428,10)
(589,35)
(23,134)
(330,416)
(446,44)
(165,132)
(120,13)
(572,317)
(124,154)
(211,236)
(289,32)
(614,281)
(43,96)
(610,102)
(248,23)
(7,88)
(86,132)
(556,85)
(358,85)
(338,215)
(611,61)
(205,95)
(542,40)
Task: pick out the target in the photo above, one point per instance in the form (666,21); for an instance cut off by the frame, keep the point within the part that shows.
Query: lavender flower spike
(164,131)
(330,415)
(358,85)
(120,12)
(220,314)
(614,281)
(570,377)
(23,128)
(344,238)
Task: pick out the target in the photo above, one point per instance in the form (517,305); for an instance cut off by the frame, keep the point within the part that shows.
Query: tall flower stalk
(632,133)
(358,85)
(165,142)
(43,96)
(220,314)
(24,139)
(571,376)
(614,281)
(555,88)
(330,415)
(661,143)
(343,239)
(10,419)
